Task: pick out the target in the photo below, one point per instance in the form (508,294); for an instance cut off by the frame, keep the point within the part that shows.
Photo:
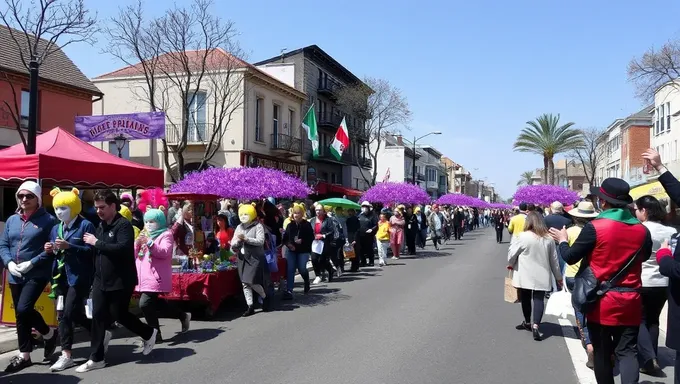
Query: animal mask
(247,213)
(67,204)
(152,198)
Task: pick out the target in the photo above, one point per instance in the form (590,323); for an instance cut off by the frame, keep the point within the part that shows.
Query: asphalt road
(437,318)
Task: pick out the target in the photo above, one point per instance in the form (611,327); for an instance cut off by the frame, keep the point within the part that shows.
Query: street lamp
(415,140)
(120,141)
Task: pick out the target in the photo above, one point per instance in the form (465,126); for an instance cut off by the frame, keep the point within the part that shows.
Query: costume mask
(67,204)
(247,213)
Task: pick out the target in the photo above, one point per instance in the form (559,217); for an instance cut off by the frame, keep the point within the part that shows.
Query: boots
(267,304)
(249,312)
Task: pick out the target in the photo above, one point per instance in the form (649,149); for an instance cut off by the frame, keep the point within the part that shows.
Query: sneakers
(149,344)
(91,366)
(317,280)
(381,262)
(307,287)
(51,344)
(107,339)
(17,363)
(186,322)
(63,363)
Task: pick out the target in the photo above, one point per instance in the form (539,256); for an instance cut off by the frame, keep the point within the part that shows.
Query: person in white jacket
(654,286)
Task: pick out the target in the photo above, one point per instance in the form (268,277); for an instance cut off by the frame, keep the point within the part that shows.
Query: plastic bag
(559,304)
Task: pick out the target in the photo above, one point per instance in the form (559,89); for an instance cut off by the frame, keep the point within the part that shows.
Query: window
(668,117)
(124,153)
(334,179)
(662,115)
(674,151)
(259,112)
(291,122)
(197,115)
(275,120)
(25,102)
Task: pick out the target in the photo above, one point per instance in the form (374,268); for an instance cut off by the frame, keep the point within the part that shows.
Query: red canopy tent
(61,158)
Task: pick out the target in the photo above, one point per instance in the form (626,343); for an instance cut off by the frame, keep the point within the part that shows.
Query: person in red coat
(606,244)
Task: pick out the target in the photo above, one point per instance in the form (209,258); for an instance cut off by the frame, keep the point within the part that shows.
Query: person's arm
(306,233)
(44,257)
(84,249)
(582,247)
(286,234)
(514,251)
(162,249)
(4,244)
(554,262)
(259,236)
(511,226)
(667,264)
(125,239)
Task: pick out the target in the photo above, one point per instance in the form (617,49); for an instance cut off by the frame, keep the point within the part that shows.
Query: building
(451,167)
(264,129)
(64,92)
(320,76)
(463,182)
(621,146)
(434,171)
(665,131)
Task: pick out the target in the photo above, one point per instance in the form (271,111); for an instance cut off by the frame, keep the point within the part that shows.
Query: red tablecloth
(214,287)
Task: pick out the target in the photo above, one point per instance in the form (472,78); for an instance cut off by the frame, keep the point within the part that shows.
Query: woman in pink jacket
(153,248)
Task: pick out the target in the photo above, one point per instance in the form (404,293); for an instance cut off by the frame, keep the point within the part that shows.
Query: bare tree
(589,154)
(189,60)
(38,29)
(654,69)
(382,107)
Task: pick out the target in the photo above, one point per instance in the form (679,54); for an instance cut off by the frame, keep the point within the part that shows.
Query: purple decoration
(400,193)
(243,183)
(456,199)
(140,125)
(545,195)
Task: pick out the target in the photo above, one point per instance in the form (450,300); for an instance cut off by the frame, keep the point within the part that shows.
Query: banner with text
(141,125)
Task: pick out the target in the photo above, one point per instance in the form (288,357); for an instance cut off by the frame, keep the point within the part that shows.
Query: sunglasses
(27,197)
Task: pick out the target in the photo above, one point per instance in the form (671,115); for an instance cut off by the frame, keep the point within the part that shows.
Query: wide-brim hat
(584,209)
(366,204)
(614,191)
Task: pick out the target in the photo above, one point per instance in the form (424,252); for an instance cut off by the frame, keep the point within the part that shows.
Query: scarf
(619,214)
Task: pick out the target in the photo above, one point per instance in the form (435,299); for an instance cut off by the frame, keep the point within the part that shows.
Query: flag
(309,124)
(341,141)
(387,176)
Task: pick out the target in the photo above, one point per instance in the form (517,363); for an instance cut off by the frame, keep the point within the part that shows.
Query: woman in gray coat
(248,244)
(533,258)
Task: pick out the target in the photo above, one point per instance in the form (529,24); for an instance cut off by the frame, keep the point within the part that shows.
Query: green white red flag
(341,141)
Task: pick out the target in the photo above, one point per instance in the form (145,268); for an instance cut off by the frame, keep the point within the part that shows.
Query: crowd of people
(617,257)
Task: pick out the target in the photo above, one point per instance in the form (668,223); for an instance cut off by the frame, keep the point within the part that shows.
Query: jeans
(499,234)
(618,340)
(74,312)
(150,304)
(321,263)
(421,237)
(527,296)
(653,300)
(383,246)
(580,316)
(110,306)
(24,297)
(296,261)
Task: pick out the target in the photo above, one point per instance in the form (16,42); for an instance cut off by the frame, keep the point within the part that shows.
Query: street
(438,318)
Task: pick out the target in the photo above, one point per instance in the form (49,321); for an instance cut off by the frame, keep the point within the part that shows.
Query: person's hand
(24,267)
(653,157)
(291,246)
(354,242)
(559,284)
(61,244)
(89,239)
(241,237)
(49,247)
(509,267)
(666,245)
(559,235)
(318,236)
(12,268)
(298,241)
(180,216)
(369,231)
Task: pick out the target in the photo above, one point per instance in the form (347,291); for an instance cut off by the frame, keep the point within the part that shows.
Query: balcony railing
(329,119)
(287,143)
(328,87)
(432,185)
(197,133)
(420,176)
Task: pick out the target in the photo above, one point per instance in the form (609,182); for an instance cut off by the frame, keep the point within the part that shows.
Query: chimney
(400,141)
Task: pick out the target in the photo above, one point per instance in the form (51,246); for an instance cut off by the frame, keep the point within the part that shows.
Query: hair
(188,205)
(531,207)
(522,206)
(581,221)
(535,223)
(297,208)
(655,211)
(108,197)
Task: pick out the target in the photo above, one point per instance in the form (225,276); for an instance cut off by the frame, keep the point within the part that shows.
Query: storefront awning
(654,189)
(324,188)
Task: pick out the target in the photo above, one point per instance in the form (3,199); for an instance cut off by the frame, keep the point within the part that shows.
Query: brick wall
(638,142)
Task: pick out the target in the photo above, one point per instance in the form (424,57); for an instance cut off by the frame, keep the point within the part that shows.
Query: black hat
(614,191)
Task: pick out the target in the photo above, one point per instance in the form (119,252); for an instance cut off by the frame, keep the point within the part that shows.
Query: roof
(643,116)
(313,49)
(62,159)
(57,68)
(215,60)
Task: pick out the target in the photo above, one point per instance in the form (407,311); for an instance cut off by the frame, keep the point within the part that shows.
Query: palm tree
(547,138)
(526,178)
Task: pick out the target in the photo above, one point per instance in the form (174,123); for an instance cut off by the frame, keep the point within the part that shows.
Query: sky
(475,70)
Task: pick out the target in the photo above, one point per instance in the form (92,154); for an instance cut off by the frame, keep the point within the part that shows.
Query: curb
(10,343)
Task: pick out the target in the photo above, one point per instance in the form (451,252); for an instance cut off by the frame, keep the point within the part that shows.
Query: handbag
(588,289)
(348,251)
(510,293)
(270,254)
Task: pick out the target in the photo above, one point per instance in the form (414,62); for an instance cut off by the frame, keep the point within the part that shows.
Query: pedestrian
(556,219)
(516,224)
(397,224)
(22,248)
(368,224)
(297,238)
(336,256)
(412,229)
(499,225)
(73,266)
(421,235)
(153,248)
(581,215)
(115,278)
(382,238)
(436,223)
(533,260)
(614,244)
(322,249)
(248,244)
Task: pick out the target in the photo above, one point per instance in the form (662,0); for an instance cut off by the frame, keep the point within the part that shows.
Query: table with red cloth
(213,287)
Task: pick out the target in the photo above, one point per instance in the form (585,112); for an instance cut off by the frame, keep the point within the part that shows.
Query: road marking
(578,354)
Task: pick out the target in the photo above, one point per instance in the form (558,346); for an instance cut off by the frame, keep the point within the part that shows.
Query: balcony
(420,176)
(432,185)
(365,162)
(286,144)
(328,87)
(196,133)
(329,120)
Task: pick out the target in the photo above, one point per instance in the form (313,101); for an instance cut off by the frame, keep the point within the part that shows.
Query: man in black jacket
(115,278)
(368,224)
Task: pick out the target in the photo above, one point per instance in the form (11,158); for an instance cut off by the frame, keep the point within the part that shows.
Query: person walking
(298,238)
(436,223)
(533,260)
(421,235)
(516,223)
(613,244)
(397,224)
(499,225)
(23,251)
(382,238)
(368,224)
(324,231)
(557,220)
(115,278)
(412,229)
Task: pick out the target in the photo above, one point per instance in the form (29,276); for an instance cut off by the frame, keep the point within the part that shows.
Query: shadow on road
(169,355)
(195,336)
(317,296)
(552,329)
(126,353)
(36,378)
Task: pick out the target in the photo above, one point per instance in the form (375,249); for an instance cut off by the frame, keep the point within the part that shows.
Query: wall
(667,143)
(284,72)
(391,158)
(57,107)
(636,142)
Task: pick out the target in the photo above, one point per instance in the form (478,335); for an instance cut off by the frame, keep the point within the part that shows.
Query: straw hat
(584,209)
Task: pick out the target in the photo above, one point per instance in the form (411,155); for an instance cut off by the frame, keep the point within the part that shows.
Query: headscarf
(157,216)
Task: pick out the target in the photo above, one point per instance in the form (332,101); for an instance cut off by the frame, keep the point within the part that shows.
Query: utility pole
(33,68)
